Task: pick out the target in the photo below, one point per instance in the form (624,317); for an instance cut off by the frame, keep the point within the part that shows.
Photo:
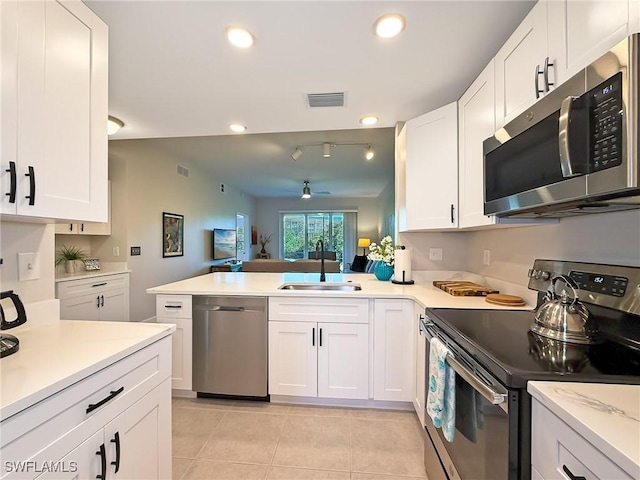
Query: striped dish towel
(441,399)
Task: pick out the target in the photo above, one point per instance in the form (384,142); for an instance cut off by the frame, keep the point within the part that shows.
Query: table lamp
(364,243)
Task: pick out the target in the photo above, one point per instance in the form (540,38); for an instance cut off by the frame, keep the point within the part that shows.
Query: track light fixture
(326,150)
(297,153)
(368,153)
(306,191)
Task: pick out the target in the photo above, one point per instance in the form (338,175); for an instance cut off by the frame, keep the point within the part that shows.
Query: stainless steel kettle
(564,318)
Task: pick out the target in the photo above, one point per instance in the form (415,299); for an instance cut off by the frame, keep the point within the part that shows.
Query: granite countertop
(54,353)
(266,284)
(606,415)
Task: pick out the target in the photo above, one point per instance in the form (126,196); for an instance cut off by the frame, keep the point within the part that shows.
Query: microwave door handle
(563,138)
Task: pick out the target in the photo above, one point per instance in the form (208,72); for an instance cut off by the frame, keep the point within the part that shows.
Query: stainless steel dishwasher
(230,346)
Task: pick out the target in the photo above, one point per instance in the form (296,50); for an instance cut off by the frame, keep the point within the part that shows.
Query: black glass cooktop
(500,340)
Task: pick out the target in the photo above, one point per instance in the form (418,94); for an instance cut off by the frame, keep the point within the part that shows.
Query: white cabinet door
(9,101)
(343,360)
(580,31)
(87,228)
(516,62)
(83,462)
(476,123)
(393,350)
(432,170)
(421,364)
(138,441)
(114,305)
(84,307)
(181,352)
(293,359)
(59,95)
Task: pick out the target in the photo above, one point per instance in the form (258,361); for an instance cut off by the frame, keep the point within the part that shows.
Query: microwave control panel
(606,124)
(605,284)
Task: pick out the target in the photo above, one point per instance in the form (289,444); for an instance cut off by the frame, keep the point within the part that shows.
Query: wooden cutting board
(462,288)
(505,300)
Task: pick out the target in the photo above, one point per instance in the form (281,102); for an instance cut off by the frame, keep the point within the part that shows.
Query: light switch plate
(28,266)
(435,254)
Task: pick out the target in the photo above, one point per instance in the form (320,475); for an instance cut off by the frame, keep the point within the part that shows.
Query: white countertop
(105,270)
(606,415)
(54,354)
(266,284)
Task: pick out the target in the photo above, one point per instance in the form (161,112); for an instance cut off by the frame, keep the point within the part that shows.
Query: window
(301,231)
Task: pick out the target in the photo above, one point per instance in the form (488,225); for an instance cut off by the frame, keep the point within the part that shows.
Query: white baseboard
(342,402)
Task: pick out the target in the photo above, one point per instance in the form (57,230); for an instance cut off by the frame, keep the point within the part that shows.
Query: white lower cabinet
(104,297)
(558,451)
(115,424)
(176,309)
(312,358)
(420,346)
(393,347)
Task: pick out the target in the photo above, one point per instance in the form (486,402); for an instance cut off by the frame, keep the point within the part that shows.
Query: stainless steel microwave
(576,150)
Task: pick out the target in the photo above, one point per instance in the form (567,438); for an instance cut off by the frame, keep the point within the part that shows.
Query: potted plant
(383,255)
(69,256)
(264,239)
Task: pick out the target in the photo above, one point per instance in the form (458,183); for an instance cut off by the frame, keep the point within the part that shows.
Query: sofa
(278,265)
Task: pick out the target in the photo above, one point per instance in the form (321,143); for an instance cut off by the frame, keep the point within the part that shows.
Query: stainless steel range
(495,354)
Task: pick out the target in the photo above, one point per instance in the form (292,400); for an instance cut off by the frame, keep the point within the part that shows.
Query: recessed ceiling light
(237,127)
(239,37)
(369,120)
(388,26)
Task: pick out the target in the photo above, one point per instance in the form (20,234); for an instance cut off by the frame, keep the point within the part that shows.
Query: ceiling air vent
(184,171)
(326,99)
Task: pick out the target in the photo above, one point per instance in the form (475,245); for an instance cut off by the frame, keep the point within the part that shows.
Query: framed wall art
(172,235)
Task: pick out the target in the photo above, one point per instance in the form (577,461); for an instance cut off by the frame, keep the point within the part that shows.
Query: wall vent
(326,99)
(184,171)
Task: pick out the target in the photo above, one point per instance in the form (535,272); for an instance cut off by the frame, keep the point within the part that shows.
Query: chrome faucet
(321,244)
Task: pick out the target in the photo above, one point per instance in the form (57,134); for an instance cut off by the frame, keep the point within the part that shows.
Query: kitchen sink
(344,287)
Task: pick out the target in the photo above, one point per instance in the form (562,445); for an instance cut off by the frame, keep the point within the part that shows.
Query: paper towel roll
(402,265)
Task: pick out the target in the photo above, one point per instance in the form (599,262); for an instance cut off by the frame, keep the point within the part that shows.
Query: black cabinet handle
(452,208)
(98,284)
(82,227)
(98,301)
(112,395)
(546,74)
(102,300)
(313,337)
(571,475)
(170,306)
(320,338)
(103,462)
(14,181)
(538,72)
(71,227)
(116,440)
(32,186)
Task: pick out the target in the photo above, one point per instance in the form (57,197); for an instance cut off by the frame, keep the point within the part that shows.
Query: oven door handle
(482,388)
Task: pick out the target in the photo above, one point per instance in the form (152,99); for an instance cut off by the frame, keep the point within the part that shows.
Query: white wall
(612,238)
(17,237)
(268,214)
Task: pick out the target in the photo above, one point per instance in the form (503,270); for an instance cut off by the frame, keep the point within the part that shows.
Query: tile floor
(215,439)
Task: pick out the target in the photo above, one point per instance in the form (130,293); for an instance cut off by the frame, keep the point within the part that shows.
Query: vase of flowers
(383,255)
(264,239)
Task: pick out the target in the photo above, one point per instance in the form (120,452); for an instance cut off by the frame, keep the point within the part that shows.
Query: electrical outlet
(435,254)
(116,251)
(28,266)
(136,251)
(486,257)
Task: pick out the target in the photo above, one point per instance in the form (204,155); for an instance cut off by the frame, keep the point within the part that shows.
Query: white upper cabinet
(580,31)
(517,64)
(54,111)
(431,170)
(476,123)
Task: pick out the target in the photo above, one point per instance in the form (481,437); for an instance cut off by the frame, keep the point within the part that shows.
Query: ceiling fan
(306,191)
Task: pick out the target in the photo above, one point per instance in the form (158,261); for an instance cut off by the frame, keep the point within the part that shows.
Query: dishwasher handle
(222,308)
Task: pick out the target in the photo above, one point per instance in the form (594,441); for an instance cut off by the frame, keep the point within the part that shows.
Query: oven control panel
(604,284)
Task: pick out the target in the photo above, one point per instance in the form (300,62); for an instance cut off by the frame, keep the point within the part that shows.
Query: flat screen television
(224,243)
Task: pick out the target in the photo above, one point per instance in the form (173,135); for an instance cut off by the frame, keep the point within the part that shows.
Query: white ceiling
(172,74)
